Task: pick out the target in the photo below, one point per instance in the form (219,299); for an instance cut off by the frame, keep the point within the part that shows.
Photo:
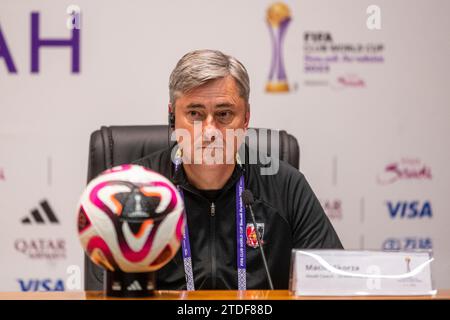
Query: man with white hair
(209,99)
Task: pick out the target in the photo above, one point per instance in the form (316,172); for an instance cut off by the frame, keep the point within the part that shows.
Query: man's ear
(171,116)
(247,117)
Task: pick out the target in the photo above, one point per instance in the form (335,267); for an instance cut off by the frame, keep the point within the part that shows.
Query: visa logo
(409,209)
(41,285)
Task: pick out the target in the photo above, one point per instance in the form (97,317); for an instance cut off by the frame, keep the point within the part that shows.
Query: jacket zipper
(213,244)
(212,212)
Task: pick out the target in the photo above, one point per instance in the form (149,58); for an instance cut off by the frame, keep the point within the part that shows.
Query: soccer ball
(130,219)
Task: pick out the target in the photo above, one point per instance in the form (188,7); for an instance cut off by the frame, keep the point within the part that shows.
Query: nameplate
(355,273)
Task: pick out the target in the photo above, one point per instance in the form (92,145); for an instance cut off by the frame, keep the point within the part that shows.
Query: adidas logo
(38,218)
(134,286)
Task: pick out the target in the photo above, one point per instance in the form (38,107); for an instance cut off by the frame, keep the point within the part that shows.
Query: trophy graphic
(278,18)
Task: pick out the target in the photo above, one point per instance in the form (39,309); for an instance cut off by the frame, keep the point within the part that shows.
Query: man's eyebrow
(195,106)
(225,105)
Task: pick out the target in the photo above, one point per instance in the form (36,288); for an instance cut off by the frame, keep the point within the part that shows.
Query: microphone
(247,198)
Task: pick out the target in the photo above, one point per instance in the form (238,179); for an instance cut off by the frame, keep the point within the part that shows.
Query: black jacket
(284,203)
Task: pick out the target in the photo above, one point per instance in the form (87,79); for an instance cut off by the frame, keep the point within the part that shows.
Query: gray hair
(198,67)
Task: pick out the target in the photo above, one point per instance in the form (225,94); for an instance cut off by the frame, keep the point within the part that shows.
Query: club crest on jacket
(252,241)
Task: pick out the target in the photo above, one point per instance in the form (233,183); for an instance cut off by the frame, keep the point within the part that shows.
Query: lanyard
(240,238)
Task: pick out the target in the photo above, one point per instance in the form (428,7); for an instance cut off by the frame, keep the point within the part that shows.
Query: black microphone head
(247,197)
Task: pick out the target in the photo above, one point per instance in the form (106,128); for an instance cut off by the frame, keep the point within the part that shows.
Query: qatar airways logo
(42,249)
(405,169)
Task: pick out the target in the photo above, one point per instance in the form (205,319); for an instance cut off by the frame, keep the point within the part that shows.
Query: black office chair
(116,145)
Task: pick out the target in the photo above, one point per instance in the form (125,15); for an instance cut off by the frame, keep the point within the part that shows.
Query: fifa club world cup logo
(278,18)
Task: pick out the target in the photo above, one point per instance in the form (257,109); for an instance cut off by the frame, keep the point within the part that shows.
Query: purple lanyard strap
(240,239)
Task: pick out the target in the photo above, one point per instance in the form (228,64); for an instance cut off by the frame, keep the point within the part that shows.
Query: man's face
(216,117)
